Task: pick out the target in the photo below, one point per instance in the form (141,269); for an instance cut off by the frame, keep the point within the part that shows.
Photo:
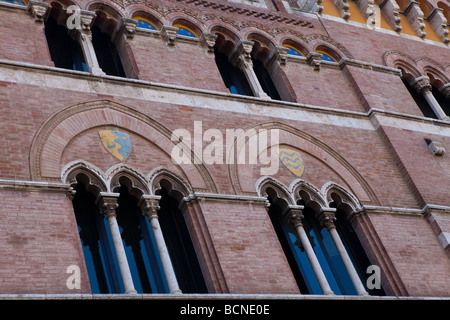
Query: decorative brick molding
(45,155)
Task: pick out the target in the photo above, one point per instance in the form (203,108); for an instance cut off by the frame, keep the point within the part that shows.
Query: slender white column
(84,37)
(149,206)
(107,203)
(241,58)
(422,85)
(295,217)
(327,218)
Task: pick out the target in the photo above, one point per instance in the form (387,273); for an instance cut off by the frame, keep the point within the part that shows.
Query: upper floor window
(326,56)
(145,23)
(106,51)
(185,31)
(233,77)
(65,52)
(19,2)
(293,51)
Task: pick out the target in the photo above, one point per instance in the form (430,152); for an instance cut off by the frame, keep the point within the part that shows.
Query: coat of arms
(116,142)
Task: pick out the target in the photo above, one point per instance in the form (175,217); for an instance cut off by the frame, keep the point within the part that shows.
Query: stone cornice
(57,78)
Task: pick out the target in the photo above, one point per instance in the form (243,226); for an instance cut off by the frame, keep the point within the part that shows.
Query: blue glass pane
(19,2)
(327,57)
(185,32)
(301,258)
(294,52)
(337,266)
(145,25)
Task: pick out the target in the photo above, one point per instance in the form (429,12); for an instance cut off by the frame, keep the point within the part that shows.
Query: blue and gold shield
(292,160)
(116,142)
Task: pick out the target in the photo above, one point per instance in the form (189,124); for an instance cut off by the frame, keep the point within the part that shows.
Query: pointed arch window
(139,244)
(354,248)
(179,243)
(96,242)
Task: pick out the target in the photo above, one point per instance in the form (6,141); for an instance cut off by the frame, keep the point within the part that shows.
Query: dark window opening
(99,255)
(355,250)
(107,55)
(232,76)
(140,248)
(265,80)
(443,102)
(65,52)
(420,101)
(289,248)
(181,249)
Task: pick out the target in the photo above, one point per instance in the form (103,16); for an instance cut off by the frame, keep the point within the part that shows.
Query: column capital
(327,217)
(294,215)
(107,203)
(169,34)
(241,54)
(209,40)
(421,84)
(445,90)
(149,205)
(37,9)
(125,27)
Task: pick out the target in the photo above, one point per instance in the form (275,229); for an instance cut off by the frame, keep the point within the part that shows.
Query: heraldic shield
(116,142)
(292,160)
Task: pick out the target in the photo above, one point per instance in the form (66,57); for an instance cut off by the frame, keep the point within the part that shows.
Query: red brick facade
(353,121)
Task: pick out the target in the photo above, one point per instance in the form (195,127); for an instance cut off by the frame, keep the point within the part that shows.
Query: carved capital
(278,54)
(37,9)
(327,218)
(169,34)
(294,214)
(149,206)
(209,40)
(241,54)
(71,193)
(314,59)
(445,90)
(107,203)
(125,27)
(421,83)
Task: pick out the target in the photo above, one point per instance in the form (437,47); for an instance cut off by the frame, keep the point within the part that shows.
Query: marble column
(149,206)
(294,214)
(327,218)
(107,203)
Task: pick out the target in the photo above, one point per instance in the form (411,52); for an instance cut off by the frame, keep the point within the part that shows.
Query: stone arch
(176,186)
(275,190)
(54,135)
(122,174)
(342,198)
(92,177)
(318,40)
(311,196)
(288,135)
(154,17)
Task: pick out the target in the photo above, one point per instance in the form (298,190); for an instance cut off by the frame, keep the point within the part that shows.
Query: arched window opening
(326,56)
(185,31)
(354,248)
(420,100)
(145,23)
(327,254)
(233,78)
(265,80)
(180,246)
(139,244)
(440,98)
(101,263)
(259,55)
(293,250)
(106,51)
(293,51)
(65,52)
